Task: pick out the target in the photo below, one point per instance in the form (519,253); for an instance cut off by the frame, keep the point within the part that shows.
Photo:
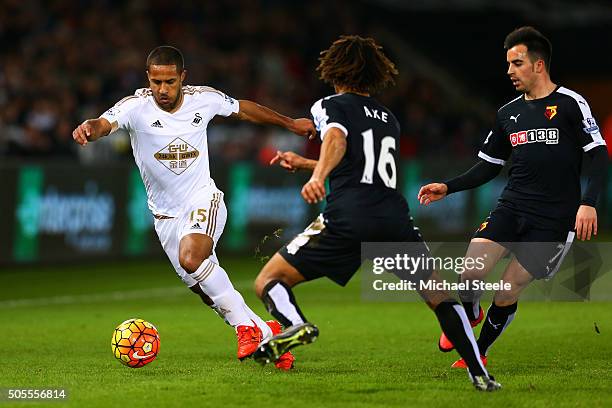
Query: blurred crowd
(62,62)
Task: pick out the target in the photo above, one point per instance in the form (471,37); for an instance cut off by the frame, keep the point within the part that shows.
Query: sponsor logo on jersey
(197,120)
(157,124)
(196,226)
(112,111)
(548,136)
(550,112)
(590,126)
(229,99)
(177,156)
(515,118)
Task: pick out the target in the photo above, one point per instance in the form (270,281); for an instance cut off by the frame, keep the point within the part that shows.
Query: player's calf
(198,291)
(217,291)
(273,286)
(498,319)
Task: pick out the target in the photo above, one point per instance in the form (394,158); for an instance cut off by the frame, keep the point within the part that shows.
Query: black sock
(455,325)
(470,299)
(472,310)
(280,302)
(498,318)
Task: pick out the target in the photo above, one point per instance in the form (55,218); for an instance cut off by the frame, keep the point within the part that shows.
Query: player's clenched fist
(432,192)
(82,132)
(304,127)
(313,191)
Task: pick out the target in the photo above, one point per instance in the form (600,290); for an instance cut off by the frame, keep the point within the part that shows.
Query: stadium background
(75,228)
(62,63)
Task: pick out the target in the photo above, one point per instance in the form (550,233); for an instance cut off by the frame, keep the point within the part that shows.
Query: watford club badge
(551,112)
(482,226)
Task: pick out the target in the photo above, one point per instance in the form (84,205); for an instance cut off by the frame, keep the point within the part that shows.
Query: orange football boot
(249,338)
(445,345)
(285,362)
(461,362)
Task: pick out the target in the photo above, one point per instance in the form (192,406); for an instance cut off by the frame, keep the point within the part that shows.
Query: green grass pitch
(56,325)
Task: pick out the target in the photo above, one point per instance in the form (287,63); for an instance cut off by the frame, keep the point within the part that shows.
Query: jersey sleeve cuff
(115,125)
(337,125)
(490,159)
(594,144)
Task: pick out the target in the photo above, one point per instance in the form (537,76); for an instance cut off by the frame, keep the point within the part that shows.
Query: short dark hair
(356,63)
(166,55)
(538,46)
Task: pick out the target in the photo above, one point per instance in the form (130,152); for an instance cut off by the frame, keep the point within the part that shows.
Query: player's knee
(472,274)
(191,260)
(260,283)
(263,279)
(277,269)
(267,275)
(193,250)
(506,297)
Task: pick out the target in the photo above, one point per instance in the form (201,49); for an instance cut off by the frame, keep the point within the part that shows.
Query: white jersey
(171,149)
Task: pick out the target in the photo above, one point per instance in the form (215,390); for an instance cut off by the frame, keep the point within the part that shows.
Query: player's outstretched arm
(481,173)
(292,162)
(91,130)
(432,192)
(332,151)
(256,113)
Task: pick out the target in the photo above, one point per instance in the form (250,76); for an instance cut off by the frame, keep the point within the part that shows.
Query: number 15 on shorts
(198,215)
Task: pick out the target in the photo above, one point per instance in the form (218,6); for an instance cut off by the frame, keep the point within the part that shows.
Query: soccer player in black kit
(544,133)
(359,154)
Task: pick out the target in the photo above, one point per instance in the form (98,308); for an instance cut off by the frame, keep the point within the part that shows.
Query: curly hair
(357,64)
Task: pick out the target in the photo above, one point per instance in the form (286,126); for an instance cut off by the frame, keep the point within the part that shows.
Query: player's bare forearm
(292,161)
(332,151)
(91,130)
(309,165)
(256,113)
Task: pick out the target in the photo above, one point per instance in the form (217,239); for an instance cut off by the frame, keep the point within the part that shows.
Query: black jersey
(544,139)
(365,180)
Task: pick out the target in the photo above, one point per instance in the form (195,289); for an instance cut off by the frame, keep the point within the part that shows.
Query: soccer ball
(135,343)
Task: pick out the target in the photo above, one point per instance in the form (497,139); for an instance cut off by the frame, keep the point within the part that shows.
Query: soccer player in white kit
(167,126)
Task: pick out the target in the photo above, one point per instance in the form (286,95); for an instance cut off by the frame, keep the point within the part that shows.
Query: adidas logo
(196,226)
(157,124)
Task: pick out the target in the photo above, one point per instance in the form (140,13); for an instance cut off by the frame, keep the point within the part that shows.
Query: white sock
(265,330)
(215,283)
(281,302)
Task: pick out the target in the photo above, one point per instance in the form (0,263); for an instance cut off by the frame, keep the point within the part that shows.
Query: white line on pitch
(93,298)
(166,292)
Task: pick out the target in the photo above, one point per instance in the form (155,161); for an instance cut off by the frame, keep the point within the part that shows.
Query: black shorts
(539,244)
(332,247)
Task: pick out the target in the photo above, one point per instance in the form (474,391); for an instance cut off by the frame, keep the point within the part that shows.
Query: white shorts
(204,214)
